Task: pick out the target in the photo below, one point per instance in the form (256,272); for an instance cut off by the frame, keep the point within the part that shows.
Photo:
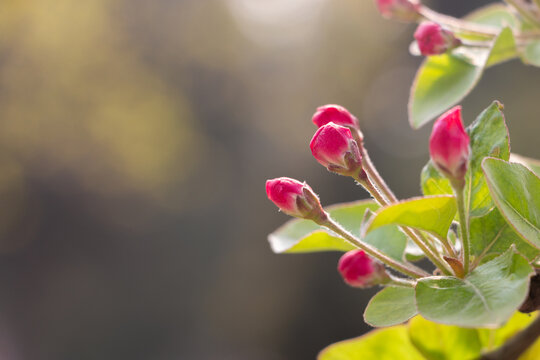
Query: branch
(517,345)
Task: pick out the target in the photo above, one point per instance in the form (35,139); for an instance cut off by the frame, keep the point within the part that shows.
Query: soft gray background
(136,137)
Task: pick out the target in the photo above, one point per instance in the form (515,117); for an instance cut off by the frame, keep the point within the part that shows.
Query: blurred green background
(135,140)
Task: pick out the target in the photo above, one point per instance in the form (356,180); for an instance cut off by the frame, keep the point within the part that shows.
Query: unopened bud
(334,147)
(449,146)
(295,198)
(432,39)
(336,114)
(402,10)
(360,270)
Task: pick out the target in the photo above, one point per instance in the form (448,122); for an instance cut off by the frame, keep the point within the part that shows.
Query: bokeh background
(135,140)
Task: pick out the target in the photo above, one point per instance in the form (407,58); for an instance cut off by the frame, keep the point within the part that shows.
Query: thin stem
(524,10)
(458,24)
(400,282)
(407,269)
(517,345)
(464,227)
(431,255)
(377,179)
(383,188)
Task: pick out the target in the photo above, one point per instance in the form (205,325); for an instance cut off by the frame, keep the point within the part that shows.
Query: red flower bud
(360,270)
(294,198)
(449,145)
(334,147)
(403,10)
(336,114)
(432,39)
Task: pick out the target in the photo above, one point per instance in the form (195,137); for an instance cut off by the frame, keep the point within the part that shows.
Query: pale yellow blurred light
(277,22)
(77,98)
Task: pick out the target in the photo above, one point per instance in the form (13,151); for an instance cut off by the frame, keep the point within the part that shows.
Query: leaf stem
(464,227)
(415,236)
(400,282)
(407,269)
(524,10)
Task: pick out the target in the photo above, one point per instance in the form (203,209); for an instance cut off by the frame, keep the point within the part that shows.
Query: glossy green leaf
(444,342)
(516,191)
(433,214)
(300,236)
(390,306)
(383,344)
(491,234)
(487,297)
(489,137)
(453,74)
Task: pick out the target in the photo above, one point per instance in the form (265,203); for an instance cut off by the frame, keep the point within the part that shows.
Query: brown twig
(517,345)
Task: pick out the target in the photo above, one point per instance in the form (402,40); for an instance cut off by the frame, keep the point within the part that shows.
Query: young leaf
(444,342)
(301,236)
(489,137)
(433,214)
(516,191)
(384,344)
(491,234)
(390,306)
(487,297)
(452,74)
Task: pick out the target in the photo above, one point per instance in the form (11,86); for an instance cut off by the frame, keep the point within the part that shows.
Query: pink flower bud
(432,39)
(360,270)
(403,10)
(334,147)
(336,114)
(294,198)
(449,145)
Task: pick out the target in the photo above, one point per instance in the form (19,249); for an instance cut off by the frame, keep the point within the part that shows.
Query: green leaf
(493,338)
(531,54)
(444,342)
(390,306)
(491,234)
(433,214)
(453,74)
(301,236)
(496,15)
(516,191)
(384,344)
(487,297)
(532,164)
(504,48)
(489,137)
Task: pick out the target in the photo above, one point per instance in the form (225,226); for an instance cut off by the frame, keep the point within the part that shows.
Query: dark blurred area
(135,140)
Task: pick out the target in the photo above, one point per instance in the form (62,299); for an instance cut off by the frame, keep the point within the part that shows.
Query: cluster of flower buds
(360,270)
(402,10)
(432,39)
(295,198)
(449,146)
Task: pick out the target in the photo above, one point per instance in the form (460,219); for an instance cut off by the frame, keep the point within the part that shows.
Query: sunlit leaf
(390,306)
(487,297)
(516,191)
(433,214)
